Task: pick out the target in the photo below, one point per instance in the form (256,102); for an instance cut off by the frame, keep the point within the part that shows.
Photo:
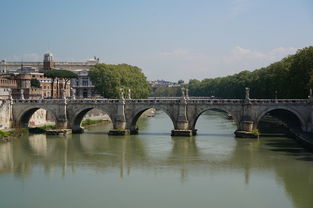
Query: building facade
(82,87)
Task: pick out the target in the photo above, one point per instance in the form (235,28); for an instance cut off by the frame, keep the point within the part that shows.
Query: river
(152,169)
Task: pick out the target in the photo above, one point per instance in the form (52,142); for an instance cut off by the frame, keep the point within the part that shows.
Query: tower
(48,63)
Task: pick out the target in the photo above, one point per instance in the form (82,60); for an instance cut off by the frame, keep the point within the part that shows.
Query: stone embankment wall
(5,114)
(96,114)
(40,118)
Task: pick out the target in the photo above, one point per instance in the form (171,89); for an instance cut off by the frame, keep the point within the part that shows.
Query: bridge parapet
(40,101)
(215,101)
(152,101)
(93,101)
(281,101)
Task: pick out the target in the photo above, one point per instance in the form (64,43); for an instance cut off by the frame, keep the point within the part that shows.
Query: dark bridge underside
(279,121)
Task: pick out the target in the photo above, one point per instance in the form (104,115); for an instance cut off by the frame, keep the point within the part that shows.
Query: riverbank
(52,130)
(90,122)
(8,135)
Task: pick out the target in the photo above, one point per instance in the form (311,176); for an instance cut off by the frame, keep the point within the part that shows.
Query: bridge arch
(193,121)
(132,120)
(79,114)
(24,116)
(292,112)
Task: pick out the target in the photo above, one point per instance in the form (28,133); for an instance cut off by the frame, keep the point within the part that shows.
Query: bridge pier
(119,120)
(247,127)
(246,130)
(182,124)
(61,124)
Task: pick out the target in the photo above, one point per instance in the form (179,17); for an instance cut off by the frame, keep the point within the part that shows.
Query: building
(163,83)
(82,86)
(47,64)
(21,85)
(5,93)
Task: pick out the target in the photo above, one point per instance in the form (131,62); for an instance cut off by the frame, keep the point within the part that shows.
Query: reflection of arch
(289,110)
(138,113)
(193,125)
(25,116)
(78,117)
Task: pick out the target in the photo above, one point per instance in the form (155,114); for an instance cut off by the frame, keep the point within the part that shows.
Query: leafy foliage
(166,92)
(35,83)
(61,73)
(108,79)
(292,77)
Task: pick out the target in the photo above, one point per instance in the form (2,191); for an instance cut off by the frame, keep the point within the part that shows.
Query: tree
(59,74)
(35,83)
(292,77)
(108,79)
(51,74)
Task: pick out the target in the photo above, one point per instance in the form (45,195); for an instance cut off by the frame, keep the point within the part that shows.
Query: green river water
(153,169)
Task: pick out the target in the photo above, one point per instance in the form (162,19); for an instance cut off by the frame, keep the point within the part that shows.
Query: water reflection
(6,158)
(209,154)
(38,144)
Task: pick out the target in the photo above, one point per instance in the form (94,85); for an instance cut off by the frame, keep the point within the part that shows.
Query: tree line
(109,79)
(292,77)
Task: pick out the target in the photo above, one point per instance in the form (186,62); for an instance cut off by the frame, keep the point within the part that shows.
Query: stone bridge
(183,111)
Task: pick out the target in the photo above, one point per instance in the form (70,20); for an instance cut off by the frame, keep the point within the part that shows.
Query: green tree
(292,77)
(59,74)
(35,83)
(109,78)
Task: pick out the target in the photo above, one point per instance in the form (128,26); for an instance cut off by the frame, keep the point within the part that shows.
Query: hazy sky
(168,39)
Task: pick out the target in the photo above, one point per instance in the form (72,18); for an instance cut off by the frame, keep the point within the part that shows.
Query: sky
(167,39)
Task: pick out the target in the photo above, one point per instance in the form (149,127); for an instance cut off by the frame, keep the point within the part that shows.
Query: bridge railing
(260,101)
(214,101)
(251,101)
(172,100)
(46,101)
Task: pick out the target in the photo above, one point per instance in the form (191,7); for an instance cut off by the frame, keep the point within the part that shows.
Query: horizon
(168,40)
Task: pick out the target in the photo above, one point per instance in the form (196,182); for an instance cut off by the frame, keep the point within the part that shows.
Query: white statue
(22,94)
(247,93)
(122,93)
(129,93)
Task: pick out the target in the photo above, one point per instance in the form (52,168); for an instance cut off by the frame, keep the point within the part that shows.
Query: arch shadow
(25,116)
(284,117)
(78,118)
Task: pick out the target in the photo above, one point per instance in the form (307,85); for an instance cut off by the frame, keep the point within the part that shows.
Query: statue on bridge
(73,93)
(22,94)
(122,94)
(247,93)
(129,93)
(183,92)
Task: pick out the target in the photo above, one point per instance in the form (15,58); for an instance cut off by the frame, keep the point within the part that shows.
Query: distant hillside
(292,77)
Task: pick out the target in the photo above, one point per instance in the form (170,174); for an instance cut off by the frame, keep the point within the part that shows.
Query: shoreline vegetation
(291,77)
(48,128)
(90,122)
(6,136)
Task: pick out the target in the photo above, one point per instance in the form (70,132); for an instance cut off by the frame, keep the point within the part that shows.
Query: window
(85,82)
